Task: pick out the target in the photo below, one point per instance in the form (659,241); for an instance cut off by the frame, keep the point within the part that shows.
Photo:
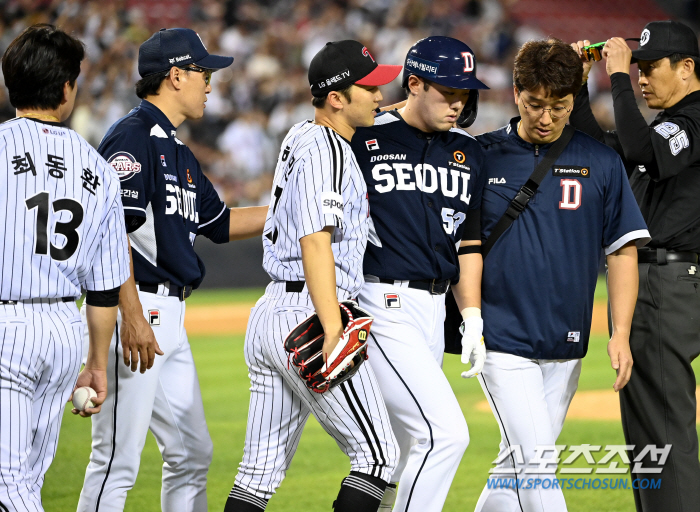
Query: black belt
(433,286)
(661,256)
(181,292)
(294,286)
(37,301)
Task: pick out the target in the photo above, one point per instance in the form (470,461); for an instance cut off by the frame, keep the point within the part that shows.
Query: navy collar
(522,142)
(159,117)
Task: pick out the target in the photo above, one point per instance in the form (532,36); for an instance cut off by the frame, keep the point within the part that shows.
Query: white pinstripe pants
(40,356)
(353,413)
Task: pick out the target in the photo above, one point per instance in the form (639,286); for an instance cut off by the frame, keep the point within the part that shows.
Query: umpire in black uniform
(663,163)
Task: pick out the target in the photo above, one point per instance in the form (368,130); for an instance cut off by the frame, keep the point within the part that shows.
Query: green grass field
(319,464)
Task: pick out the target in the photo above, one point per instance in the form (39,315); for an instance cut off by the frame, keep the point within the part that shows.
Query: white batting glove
(473,348)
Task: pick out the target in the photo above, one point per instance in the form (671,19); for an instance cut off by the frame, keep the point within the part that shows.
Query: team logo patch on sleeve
(372,145)
(573,336)
(125,164)
(571,170)
(392,300)
(154,316)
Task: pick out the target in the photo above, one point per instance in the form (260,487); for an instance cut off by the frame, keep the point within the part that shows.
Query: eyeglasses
(554,112)
(197,69)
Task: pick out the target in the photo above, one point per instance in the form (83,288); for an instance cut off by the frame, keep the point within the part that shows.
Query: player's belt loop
(663,256)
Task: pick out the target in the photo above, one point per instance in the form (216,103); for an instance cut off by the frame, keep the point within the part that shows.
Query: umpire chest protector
(421,189)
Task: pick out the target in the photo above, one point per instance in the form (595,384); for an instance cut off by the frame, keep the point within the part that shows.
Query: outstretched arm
(247,222)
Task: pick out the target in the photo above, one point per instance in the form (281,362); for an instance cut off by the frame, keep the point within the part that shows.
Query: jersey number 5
(67,229)
(451,220)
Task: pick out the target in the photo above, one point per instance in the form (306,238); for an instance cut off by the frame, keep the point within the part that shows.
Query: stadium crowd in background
(266,90)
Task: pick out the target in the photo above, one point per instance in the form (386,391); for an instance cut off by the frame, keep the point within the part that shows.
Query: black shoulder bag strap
(527,191)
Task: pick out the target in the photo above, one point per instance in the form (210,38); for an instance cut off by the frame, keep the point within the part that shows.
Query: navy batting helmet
(449,62)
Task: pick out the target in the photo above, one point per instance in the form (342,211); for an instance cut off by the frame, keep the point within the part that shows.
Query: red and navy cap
(176,47)
(343,63)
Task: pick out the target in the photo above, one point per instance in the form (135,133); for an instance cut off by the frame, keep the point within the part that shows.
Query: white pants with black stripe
(40,355)
(406,350)
(167,400)
(353,413)
(529,398)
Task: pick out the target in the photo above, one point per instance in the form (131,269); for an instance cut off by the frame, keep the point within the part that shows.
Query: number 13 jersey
(63,223)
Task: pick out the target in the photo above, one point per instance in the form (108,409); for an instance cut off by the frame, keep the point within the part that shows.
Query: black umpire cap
(176,47)
(660,39)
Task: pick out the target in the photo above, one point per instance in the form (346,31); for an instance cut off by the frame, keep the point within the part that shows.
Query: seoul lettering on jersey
(420,183)
(423,177)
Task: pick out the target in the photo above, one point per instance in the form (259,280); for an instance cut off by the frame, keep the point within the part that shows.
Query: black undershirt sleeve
(632,129)
(582,117)
(103,299)
(472,225)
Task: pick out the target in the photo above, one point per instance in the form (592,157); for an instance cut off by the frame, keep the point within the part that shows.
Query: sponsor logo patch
(459,157)
(573,336)
(427,67)
(162,161)
(54,132)
(154,316)
(372,145)
(180,58)
(332,203)
(497,181)
(571,170)
(379,158)
(392,300)
(125,164)
(190,183)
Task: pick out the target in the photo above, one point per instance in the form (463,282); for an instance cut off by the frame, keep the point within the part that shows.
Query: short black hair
(149,85)
(320,102)
(38,63)
(426,85)
(675,58)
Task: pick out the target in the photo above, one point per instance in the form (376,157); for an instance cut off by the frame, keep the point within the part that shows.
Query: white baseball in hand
(82,398)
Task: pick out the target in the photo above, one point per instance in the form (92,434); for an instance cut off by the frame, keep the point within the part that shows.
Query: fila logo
(392,300)
(154,316)
(497,181)
(162,161)
(570,194)
(372,145)
(573,336)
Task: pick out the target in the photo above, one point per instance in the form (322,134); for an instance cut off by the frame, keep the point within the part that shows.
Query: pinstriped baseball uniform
(317,184)
(64,230)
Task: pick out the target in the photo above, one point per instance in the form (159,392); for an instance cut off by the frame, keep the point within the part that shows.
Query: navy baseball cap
(176,47)
(663,38)
(340,64)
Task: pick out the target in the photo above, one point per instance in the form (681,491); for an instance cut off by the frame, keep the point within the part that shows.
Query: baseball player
(540,275)
(425,182)
(64,230)
(167,202)
(315,238)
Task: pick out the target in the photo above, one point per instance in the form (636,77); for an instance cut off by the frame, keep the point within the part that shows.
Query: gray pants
(658,404)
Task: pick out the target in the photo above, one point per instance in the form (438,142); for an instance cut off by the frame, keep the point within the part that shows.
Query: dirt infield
(232,319)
